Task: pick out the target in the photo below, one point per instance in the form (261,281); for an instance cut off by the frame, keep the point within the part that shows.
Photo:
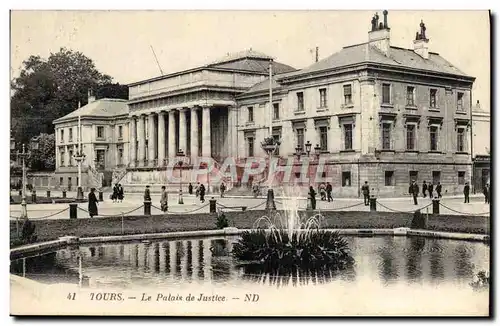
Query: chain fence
(463,213)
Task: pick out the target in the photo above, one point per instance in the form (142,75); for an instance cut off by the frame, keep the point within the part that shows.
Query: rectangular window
(120,132)
(70,135)
(120,156)
(63,154)
(100,155)
(62,135)
(460,140)
(460,101)
(432,98)
(386,136)
(276,111)
(410,96)
(323,138)
(436,177)
(347,94)
(461,177)
(250,113)
(250,141)
(389,178)
(348,136)
(413,176)
(322,98)
(300,101)
(433,133)
(61,181)
(100,132)
(410,137)
(70,158)
(386,93)
(346,178)
(300,138)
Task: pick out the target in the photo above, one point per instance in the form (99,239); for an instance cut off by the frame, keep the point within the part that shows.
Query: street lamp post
(23,155)
(79,158)
(317,153)
(180,153)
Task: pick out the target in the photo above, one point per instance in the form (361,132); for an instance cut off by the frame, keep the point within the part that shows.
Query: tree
(44,158)
(112,91)
(49,89)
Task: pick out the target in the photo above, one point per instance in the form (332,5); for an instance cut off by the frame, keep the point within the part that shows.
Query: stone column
(194,133)
(183,130)
(206,142)
(133,140)
(151,140)
(171,134)
(142,140)
(161,138)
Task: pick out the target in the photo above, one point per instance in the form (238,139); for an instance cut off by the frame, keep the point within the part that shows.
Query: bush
(222,221)
(279,252)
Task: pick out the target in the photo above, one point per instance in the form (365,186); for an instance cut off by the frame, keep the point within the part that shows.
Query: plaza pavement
(133,202)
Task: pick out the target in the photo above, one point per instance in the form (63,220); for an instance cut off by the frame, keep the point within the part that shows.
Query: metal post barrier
(213,205)
(435,206)
(101,197)
(48,193)
(373,204)
(73,210)
(147,208)
(33,196)
(270,204)
(24,267)
(64,193)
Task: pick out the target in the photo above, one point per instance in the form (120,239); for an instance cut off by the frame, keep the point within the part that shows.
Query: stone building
(481,148)
(379,113)
(104,132)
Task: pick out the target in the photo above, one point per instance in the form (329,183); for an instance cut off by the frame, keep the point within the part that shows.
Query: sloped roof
(106,107)
(399,57)
(264,85)
(250,54)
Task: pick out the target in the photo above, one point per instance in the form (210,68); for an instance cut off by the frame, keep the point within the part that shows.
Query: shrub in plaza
(222,221)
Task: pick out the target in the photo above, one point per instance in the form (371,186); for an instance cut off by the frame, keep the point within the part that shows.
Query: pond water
(132,265)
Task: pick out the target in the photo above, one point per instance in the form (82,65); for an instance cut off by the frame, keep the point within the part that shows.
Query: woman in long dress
(92,203)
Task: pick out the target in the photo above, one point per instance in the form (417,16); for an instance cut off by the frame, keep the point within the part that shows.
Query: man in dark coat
(466,192)
(424,190)
(312,197)
(329,190)
(120,193)
(438,189)
(114,196)
(414,191)
(486,192)
(366,193)
(92,203)
(190,188)
(431,189)
(202,193)
(147,194)
(222,189)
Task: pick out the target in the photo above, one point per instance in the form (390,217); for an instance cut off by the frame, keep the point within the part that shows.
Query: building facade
(378,113)
(375,113)
(481,148)
(104,140)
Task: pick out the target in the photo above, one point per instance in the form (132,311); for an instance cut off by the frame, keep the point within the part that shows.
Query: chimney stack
(380,34)
(421,42)
(91,96)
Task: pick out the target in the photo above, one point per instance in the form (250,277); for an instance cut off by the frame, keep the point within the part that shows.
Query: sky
(120,42)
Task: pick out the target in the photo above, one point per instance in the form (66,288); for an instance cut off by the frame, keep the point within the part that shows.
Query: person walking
(114,196)
(202,193)
(424,190)
(366,193)
(190,188)
(312,197)
(120,193)
(439,189)
(466,193)
(486,192)
(322,191)
(92,203)
(147,194)
(329,190)
(164,199)
(197,190)
(222,189)
(414,191)
(431,190)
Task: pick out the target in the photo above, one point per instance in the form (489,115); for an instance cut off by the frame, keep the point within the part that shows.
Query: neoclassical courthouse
(378,113)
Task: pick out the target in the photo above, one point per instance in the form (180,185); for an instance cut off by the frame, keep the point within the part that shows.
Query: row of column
(138,136)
